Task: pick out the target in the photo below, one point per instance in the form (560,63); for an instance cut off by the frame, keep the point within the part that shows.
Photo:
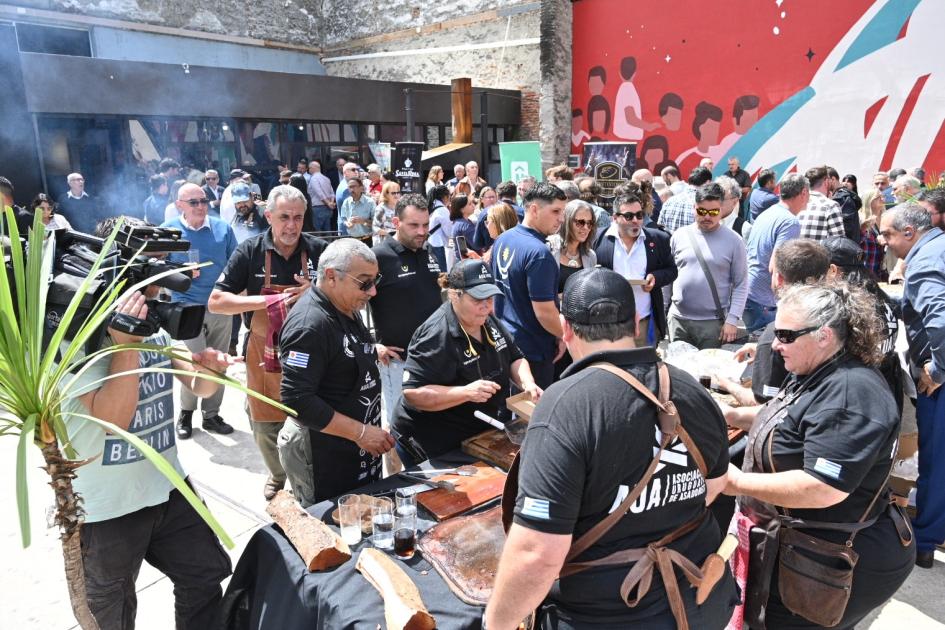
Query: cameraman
(132,512)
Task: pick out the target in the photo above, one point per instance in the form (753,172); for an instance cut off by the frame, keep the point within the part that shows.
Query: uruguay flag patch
(535,508)
(297,359)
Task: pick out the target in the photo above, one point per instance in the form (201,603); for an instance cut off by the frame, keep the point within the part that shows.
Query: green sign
(519,160)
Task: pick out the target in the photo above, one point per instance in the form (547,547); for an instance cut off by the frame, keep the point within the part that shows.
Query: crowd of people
(387,320)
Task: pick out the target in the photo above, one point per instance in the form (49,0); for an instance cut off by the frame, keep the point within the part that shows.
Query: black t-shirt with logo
(768,371)
(246,269)
(407,294)
(589,442)
(440,353)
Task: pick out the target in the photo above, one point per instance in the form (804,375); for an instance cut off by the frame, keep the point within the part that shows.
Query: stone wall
(283,21)
(555,97)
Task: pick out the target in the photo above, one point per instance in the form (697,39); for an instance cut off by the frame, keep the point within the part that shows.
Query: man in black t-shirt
(589,443)
(407,294)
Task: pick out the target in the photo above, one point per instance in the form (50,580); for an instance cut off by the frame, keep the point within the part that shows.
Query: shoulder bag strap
(719,311)
(669,424)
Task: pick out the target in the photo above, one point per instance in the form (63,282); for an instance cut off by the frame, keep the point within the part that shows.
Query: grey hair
(373,168)
(72,176)
(211,170)
(289,193)
(569,188)
(570,210)
(339,254)
(909,214)
(849,310)
(730,186)
(909,180)
(793,185)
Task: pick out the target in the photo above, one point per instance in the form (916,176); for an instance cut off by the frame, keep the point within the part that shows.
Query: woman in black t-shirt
(821,452)
(459,361)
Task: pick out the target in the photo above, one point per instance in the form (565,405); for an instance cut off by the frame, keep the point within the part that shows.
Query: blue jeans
(756,316)
(321,218)
(929,523)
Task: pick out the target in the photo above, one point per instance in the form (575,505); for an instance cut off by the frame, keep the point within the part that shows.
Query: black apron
(339,465)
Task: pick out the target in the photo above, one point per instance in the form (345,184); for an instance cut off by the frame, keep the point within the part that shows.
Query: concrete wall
(555,98)
(287,21)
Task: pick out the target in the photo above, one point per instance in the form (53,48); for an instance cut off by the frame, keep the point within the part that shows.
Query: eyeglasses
(365,285)
(582,223)
(708,212)
(786,335)
(193,203)
(627,216)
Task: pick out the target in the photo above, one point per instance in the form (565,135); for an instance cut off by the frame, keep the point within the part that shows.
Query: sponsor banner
(407,166)
(519,160)
(611,164)
(381,153)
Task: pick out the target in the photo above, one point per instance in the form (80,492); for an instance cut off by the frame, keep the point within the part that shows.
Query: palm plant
(34,383)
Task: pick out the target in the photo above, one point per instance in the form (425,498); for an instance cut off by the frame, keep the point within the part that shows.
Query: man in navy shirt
(527,274)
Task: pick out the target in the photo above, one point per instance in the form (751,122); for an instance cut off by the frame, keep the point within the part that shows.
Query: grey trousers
(266,435)
(295,454)
(702,333)
(215,334)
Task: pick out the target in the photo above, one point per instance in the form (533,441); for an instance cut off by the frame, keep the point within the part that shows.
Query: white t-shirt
(441,217)
(627,97)
(121,480)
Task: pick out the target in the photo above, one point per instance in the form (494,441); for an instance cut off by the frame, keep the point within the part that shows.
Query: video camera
(137,252)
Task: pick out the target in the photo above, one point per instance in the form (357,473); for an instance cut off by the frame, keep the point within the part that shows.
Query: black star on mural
(809,55)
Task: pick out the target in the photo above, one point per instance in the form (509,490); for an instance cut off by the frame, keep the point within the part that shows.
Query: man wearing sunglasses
(212,241)
(909,232)
(710,292)
(330,377)
(642,256)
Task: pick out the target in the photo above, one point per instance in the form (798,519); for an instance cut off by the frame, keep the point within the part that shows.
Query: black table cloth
(272,588)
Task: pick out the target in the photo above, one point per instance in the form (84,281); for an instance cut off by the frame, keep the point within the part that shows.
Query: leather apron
(340,465)
(257,378)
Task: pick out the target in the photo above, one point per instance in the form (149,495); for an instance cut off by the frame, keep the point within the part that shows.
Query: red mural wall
(783,84)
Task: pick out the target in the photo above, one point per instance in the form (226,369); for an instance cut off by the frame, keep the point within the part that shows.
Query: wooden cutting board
(470,492)
(492,446)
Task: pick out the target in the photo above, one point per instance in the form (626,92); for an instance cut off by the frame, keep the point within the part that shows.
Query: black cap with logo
(598,296)
(474,278)
(844,252)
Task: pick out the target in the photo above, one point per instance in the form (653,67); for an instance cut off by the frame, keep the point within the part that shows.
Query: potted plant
(36,376)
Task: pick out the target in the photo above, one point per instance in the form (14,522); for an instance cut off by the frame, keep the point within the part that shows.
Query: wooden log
(318,545)
(403,608)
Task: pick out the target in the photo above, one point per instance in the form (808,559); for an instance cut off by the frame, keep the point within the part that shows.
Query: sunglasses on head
(193,203)
(582,223)
(786,335)
(708,212)
(631,215)
(365,285)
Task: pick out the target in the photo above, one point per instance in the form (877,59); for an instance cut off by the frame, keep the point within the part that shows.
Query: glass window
(350,133)
(195,144)
(325,132)
(448,134)
(370,133)
(500,134)
(432,136)
(477,134)
(393,133)
(40,38)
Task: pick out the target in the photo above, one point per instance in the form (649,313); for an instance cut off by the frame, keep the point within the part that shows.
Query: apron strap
(268,279)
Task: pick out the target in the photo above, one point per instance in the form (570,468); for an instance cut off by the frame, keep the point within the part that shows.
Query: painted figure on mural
(578,134)
(706,127)
(671,107)
(598,109)
(628,114)
(744,116)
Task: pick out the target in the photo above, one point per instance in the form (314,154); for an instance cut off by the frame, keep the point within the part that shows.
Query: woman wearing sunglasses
(572,245)
(461,360)
(816,468)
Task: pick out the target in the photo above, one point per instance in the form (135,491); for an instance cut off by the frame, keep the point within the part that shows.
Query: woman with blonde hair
(487,198)
(434,177)
(384,212)
(499,218)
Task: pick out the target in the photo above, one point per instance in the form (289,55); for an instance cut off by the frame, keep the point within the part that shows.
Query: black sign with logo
(407,156)
(611,164)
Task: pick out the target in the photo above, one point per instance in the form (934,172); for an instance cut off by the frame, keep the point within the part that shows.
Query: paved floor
(230,476)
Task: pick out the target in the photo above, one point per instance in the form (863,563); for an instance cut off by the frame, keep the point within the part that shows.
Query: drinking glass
(405,523)
(382,523)
(349,517)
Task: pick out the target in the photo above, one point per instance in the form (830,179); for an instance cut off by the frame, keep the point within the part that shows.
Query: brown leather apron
(257,378)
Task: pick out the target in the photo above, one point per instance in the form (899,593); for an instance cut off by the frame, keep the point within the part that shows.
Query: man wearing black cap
(460,360)
(588,451)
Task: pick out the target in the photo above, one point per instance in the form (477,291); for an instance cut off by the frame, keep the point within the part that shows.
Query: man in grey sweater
(699,315)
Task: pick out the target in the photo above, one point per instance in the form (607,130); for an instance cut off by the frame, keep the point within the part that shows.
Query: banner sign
(381,153)
(519,160)
(407,166)
(611,164)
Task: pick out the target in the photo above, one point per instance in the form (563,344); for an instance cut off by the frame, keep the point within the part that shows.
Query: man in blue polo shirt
(211,240)
(527,274)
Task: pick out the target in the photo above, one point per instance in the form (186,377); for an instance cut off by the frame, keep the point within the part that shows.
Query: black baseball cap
(236,172)
(598,296)
(473,277)
(844,252)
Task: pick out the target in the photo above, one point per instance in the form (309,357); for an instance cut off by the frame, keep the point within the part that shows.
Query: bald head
(642,175)
(192,203)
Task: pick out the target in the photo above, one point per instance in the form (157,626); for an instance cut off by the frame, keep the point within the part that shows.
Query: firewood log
(320,547)
(403,608)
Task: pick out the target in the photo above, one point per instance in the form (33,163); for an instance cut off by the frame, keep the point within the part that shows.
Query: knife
(446,485)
